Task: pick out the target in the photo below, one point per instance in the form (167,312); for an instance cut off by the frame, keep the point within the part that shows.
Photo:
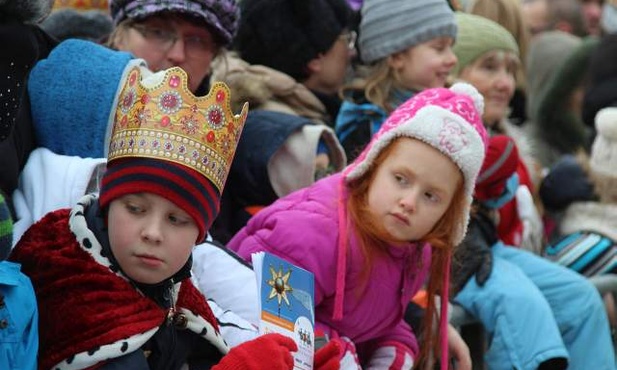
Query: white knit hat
(604,150)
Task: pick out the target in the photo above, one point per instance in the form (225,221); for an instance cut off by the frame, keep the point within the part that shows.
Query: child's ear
(396,61)
(315,65)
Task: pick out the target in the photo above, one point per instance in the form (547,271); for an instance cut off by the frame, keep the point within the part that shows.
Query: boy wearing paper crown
(112,275)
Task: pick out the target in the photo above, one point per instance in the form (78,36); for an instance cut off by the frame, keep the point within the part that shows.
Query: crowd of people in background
(411,154)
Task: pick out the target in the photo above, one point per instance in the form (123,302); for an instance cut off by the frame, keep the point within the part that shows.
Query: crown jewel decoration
(166,121)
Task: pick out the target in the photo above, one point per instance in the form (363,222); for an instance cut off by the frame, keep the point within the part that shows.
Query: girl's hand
(458,350)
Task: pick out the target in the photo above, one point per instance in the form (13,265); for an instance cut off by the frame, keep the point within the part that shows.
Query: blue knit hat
(390,26)
(73,93)
(6,229)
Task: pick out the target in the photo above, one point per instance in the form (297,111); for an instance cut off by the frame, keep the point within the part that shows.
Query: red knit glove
(328,357)
(267,352)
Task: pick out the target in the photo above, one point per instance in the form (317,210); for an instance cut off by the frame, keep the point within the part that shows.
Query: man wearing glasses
(167,33)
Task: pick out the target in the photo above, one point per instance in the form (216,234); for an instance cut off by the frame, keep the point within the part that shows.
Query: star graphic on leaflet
(280,285)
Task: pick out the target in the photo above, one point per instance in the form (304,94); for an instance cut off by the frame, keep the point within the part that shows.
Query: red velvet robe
(88,312)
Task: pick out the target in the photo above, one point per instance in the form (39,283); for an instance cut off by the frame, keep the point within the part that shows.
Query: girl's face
(165,42)
(425,65)
(493,74)
(150,237)
(412,189)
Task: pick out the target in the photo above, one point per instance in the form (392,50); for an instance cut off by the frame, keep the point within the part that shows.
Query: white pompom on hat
(603,162)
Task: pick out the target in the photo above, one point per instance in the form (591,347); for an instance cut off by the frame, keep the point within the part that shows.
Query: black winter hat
(286,34)
(602,89)
(26,11)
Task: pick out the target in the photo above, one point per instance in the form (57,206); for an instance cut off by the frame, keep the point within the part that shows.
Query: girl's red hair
(375,240)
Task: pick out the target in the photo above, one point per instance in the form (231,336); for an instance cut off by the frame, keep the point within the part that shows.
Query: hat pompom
(606,123)
(468,89)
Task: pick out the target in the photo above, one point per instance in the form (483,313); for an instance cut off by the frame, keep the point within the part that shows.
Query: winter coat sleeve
(306,238)
(391,352)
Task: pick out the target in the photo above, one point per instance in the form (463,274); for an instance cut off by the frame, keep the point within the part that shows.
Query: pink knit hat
(450,120)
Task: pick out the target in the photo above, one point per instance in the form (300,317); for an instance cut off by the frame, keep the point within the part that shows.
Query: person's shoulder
(321,197)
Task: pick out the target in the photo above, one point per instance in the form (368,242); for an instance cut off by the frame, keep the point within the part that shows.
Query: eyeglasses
(350,39)
(164,39)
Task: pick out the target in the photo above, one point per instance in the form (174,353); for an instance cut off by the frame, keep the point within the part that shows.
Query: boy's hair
(287,34)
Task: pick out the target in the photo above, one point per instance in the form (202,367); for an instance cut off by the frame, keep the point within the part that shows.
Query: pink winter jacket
(304,228)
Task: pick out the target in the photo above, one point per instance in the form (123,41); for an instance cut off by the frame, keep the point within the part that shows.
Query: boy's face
(493,74)
(150,237)
(412,189)
(328,70)
(424,66)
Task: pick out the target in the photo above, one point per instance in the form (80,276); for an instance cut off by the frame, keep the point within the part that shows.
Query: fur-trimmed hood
(27,11)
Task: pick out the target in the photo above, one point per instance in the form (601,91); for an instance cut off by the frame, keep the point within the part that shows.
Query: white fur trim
(84,360)
(199,325)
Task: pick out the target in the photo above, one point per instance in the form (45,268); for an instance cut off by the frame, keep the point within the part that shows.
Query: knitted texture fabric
(286,34)
(499,165)
(73,97)
(221,16)
(181,185)
(476,36)
(390,26)
(603,163)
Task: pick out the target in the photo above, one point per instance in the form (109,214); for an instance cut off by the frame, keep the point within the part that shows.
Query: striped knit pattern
(588,253)
(181,185)
(6,226)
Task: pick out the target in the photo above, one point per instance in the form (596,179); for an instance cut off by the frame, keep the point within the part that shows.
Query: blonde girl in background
(407,46)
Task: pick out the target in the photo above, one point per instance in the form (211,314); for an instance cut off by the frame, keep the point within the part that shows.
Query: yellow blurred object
(102,5)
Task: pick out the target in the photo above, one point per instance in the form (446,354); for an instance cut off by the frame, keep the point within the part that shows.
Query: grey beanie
(390,26)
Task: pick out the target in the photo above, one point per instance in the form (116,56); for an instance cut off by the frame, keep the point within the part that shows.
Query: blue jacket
(19,335)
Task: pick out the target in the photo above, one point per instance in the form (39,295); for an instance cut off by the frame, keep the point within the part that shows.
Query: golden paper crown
(158,117)
(101,5)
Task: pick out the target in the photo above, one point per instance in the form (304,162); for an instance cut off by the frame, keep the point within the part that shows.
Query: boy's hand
(268,352)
